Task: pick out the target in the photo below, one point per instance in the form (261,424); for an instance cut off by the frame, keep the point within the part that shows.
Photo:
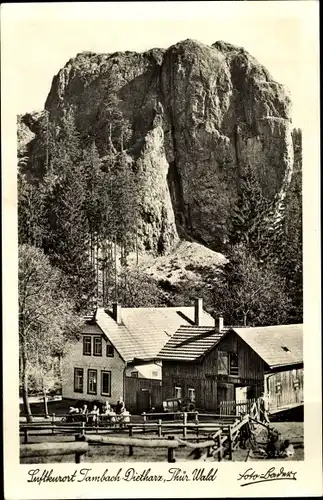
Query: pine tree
(68,233)
(250,292)
(30,211)
(248,219)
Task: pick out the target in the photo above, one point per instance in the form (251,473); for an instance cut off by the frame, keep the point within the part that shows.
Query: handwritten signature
(271,474)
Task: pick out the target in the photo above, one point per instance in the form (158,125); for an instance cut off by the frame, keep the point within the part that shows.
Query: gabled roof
(276,345)
(190,342)
(145,330)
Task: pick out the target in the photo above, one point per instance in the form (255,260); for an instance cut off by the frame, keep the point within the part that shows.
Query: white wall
(76,359)
(147,370)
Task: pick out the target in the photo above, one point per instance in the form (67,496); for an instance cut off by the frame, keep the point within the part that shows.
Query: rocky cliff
(199,115)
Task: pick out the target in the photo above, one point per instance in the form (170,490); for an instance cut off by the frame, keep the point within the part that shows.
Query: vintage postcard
(161,249)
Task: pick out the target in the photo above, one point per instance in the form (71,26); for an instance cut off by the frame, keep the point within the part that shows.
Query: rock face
(200,114)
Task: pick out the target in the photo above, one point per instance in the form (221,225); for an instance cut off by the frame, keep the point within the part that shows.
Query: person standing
(120,406)
(264,407)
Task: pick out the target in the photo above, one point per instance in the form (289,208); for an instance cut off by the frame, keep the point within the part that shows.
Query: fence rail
(161,428)
(171,444)
(221,436)
(36,450)
(236,407)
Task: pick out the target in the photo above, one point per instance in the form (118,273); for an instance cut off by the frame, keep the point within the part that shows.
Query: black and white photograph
(160,240)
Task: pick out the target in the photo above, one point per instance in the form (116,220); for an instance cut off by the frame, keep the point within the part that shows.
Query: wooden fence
(37,450)
(236,407)
(224,434)
(183,422)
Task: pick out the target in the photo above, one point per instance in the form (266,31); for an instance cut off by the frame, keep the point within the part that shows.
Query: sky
(43,37)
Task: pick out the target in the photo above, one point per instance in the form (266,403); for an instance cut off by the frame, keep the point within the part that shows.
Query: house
(212,365)
(116,354)
(281,348)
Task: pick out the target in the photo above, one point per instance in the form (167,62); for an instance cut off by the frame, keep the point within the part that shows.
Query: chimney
(116,312)
(221,323)
(198,312)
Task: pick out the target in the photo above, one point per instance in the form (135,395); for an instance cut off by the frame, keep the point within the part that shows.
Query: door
(225,398)
(143,400)
(241,399)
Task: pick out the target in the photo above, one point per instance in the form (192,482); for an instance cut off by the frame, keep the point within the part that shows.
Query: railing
(226,431)
(171,444)
(160,428)
(37,450)
(198,425)
(236,407)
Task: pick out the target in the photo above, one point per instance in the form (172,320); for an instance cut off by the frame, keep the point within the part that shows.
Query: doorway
(225,398)
(143,400)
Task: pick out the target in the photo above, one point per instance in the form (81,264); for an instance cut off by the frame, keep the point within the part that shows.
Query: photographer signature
(272,474)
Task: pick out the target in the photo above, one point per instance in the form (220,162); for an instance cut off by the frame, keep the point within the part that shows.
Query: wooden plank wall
(203,376)
(251,366)
(134,385)
(289,393)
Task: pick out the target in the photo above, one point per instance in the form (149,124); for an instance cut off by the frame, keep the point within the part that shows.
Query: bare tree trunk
(245,320)
(47,155)
(115,271)
(27,409)
(103,260)
(45,401)
(137,254)
(91,248)
(97,267)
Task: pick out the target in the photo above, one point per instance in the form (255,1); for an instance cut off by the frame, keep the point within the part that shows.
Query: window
(178,391)
(284,348)
(191,394)
(97,346)
(223,363)
(106,383)
(78,379)
(87,346)
(110,351)
(134,374)
(233,364)
(92,381)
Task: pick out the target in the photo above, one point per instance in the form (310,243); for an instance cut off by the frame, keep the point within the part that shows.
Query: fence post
(130,446)
(230,442)
(26,435)
(184,424)
(53,423)
(220,453)
(78,458)
(160,428)
(144,424)
(83,429)
(171,452)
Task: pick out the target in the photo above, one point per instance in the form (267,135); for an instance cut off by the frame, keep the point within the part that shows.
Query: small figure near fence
(73,410)
(120,406)
(84,410)
(124,417)
(264,407)
(74,415)
(93,416)
(106,410)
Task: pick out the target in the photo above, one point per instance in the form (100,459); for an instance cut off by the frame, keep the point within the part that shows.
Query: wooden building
(116,355)
(210,365)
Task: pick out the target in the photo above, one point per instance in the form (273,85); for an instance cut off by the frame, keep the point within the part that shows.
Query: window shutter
(222,363)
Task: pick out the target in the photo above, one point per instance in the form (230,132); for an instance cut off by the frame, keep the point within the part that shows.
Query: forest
(78,219)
